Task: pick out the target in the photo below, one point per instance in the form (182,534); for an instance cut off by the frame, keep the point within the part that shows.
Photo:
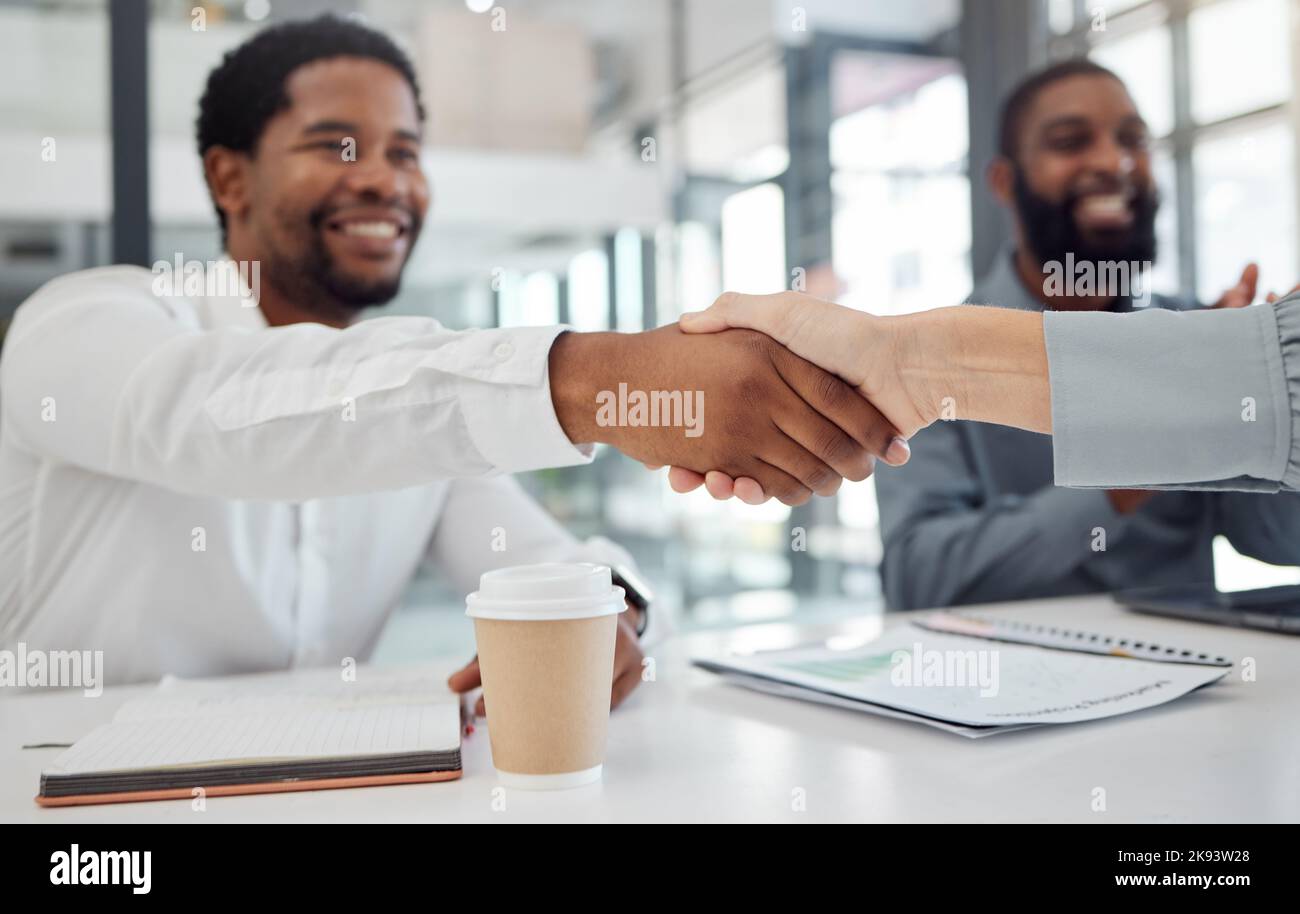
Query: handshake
(785,396)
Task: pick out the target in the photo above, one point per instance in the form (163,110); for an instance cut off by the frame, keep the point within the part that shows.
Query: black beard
(1051,232)
(315,278)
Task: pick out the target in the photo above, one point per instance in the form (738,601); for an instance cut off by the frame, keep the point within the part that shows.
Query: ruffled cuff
(1287,313)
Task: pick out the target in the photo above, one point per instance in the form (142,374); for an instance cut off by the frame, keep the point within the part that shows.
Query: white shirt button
(503,351)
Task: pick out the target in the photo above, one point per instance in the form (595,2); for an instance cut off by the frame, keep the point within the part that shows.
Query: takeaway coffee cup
(546,653)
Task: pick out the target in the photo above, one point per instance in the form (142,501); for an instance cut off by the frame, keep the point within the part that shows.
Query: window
(589,291)
(1245,206)
(753,240)
(1144,60)
(1240,57)
(1224,156)
(897,163)
(628,278)
(531,300)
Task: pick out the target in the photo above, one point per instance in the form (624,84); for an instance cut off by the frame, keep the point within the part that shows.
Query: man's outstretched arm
(100,373)
(1157,399)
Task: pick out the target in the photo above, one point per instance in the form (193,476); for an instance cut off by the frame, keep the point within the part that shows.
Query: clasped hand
(786,426)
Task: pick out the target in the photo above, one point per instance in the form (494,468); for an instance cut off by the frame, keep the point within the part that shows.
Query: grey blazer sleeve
(1177,400)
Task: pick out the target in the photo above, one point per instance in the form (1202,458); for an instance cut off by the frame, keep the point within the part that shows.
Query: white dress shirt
(194,492)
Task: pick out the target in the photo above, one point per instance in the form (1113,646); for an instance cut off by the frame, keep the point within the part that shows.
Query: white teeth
(370,229)
(1106,203)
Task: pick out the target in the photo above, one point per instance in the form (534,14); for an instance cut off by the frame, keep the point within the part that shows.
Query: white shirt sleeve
(99,373)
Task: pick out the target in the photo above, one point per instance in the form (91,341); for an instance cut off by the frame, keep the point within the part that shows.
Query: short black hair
(247,88)
(1023,95)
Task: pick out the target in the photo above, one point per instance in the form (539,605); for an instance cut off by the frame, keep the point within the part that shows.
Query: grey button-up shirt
(974,516)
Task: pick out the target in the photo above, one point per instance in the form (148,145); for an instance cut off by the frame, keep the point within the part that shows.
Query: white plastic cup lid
(554,590)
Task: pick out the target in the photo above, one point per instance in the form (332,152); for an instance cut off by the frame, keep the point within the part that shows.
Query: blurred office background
(610,165)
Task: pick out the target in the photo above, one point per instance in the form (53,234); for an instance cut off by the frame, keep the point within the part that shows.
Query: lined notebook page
(301,714)
(301,690)
(217,740)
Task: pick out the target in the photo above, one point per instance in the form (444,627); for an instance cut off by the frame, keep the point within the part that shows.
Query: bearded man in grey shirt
(973,516)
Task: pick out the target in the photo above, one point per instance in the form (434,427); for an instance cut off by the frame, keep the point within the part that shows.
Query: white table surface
(691,747)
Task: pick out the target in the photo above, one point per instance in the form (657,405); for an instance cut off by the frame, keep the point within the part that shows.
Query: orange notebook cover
(230,790)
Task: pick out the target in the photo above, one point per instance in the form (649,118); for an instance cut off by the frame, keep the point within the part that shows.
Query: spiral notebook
(1066,639)
(267,733)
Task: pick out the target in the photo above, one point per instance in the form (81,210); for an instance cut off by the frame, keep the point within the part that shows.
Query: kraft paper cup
(546,653)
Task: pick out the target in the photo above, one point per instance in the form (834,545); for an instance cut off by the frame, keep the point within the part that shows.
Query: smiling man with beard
(974,516)
(203,484)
